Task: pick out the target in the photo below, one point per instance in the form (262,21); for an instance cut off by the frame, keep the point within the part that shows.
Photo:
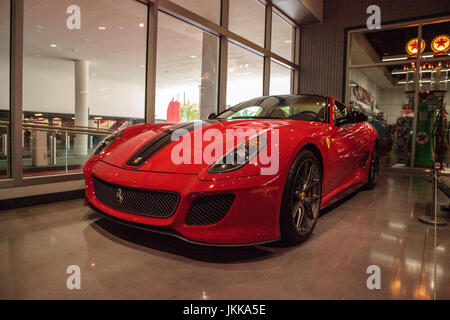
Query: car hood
(197,137)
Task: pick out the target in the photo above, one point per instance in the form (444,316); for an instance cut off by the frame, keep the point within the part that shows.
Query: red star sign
(441,43)
(422,137)
(413,47)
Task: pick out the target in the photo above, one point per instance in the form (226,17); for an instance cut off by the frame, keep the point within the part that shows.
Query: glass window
(4,86)
(209,9)
(384,94)
(187,71)
(301,107)
(437,39)
(282,37)
(245,75)
(280,79)
(248,19)
(383,46)
(247,112)
(84,68)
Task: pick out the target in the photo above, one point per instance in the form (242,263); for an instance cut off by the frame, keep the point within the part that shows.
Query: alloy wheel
(306,196)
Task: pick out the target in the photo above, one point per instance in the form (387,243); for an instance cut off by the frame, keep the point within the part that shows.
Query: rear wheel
(373,169)
(301,199)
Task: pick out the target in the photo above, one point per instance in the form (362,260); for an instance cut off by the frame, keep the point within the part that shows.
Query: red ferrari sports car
(255,173)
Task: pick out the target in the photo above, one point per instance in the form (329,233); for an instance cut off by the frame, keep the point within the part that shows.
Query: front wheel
(301,199)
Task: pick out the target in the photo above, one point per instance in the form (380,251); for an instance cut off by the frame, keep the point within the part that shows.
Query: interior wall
(49,86)
(323,46)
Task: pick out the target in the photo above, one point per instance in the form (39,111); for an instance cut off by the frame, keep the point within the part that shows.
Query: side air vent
(209,210)
(364,160)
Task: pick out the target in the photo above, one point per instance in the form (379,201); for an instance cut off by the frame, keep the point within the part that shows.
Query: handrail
(35,126)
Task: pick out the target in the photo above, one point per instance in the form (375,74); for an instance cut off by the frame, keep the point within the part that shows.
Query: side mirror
(357,117)
(211,116)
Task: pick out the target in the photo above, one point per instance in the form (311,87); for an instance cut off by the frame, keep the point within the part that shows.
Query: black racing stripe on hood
(158,143)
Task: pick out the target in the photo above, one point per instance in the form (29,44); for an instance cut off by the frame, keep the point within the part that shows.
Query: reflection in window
(93,76)
(282,37)
(209,9)
(187,71)
(4,86)
(249,112)
(300,107)
(245,75)
(280,79)
(247,19)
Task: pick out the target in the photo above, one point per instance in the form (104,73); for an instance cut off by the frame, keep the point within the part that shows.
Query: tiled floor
(378,227)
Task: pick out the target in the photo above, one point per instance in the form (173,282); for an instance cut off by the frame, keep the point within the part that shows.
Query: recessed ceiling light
(141,25)
(98,118)
(193,57)
(287,41)
(93,74)
(40,27)
(142,66)
(53,45)
(38,114)
(102,28)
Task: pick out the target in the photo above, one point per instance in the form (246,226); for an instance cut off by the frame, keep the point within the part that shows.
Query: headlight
(107,142)
(239,156)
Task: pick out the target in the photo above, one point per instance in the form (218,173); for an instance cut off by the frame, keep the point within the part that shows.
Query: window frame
(16,178)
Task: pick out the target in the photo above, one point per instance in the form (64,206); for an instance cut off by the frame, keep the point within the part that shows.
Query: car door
(342,147)
(362,145)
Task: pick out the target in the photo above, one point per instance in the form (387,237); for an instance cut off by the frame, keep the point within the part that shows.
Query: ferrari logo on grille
(137,159)
(119,195)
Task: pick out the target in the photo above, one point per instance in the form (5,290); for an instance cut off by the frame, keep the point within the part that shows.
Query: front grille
(149,203)
(209,210)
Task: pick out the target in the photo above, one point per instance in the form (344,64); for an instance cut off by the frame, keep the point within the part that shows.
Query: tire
(301,199)
(373,169)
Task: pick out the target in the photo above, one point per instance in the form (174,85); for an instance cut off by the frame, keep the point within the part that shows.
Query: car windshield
(300,107)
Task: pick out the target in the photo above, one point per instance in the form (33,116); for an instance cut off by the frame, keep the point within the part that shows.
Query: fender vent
(364,159)
(209,210)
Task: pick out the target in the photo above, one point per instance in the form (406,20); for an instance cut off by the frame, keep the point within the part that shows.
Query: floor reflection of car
(324,151)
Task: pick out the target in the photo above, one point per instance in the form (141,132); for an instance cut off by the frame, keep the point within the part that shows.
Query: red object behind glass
(173,111)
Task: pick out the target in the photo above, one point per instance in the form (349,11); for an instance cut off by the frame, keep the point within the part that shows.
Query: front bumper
(253,217)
